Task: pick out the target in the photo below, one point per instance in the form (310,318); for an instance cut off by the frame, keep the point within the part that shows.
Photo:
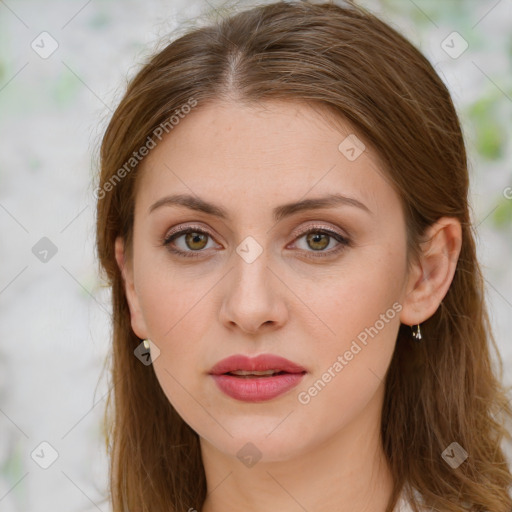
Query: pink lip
(259,363)
(256,389)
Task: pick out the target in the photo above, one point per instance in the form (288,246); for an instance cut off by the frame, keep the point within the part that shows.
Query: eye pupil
(313,237)
(192,237)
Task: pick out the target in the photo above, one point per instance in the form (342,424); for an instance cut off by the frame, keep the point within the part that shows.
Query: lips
(260,365)
(256,379)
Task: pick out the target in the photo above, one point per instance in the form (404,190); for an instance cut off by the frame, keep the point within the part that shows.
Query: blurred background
(63,68)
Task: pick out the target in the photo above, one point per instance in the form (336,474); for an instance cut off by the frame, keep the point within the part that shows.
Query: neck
(346,472)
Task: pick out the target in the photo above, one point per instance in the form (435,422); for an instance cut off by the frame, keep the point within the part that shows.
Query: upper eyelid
(318,225)
(181,229)
(321,227)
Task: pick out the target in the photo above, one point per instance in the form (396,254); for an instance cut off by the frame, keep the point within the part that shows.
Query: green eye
(318,239)
(196,240)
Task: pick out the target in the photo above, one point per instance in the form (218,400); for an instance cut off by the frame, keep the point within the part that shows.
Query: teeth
(244,372)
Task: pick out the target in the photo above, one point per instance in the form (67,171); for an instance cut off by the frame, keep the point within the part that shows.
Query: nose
(254,297)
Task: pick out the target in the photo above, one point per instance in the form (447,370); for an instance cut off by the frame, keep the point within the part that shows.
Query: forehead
(274,149)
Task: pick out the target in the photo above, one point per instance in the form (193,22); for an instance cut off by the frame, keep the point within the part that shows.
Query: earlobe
(433,274)
(125,267)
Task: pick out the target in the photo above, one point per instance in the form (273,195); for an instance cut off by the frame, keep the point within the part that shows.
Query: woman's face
(255,282)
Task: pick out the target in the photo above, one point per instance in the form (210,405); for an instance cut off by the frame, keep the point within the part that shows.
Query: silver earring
(416,333)
(146,344)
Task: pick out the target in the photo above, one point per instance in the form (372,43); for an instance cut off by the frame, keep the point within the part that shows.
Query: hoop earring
(416,333)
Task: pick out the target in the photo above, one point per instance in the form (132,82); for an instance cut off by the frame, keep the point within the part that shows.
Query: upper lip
(259,363)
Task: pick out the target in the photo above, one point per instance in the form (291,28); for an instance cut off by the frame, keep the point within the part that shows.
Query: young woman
(298,311)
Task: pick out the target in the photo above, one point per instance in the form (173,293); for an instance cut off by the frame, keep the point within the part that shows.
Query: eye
(319,238)
(194,241)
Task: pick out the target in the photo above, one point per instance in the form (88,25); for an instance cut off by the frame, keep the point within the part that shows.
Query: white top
(403,505)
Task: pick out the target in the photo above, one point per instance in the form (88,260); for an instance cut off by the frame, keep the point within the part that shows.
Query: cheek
(363,296)
(362,314)
(178,315)
(174,303)
(349,372)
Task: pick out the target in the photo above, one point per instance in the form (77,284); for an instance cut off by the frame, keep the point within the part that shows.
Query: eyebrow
(279,212)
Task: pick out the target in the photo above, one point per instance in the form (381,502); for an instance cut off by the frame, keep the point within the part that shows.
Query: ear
(126,267)
(431,276)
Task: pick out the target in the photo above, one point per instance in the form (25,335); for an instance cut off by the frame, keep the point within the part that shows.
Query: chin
(265,439)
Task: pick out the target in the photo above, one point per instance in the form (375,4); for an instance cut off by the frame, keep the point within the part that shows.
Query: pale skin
(326,454)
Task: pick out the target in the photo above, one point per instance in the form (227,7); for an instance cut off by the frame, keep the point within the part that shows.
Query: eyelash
(343,242)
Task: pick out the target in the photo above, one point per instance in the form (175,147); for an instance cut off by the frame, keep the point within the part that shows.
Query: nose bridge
(251,274)
(251,298)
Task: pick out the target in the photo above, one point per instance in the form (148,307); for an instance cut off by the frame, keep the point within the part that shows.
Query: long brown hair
(357,68)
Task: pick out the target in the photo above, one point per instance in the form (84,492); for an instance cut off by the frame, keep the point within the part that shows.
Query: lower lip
(257,389)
